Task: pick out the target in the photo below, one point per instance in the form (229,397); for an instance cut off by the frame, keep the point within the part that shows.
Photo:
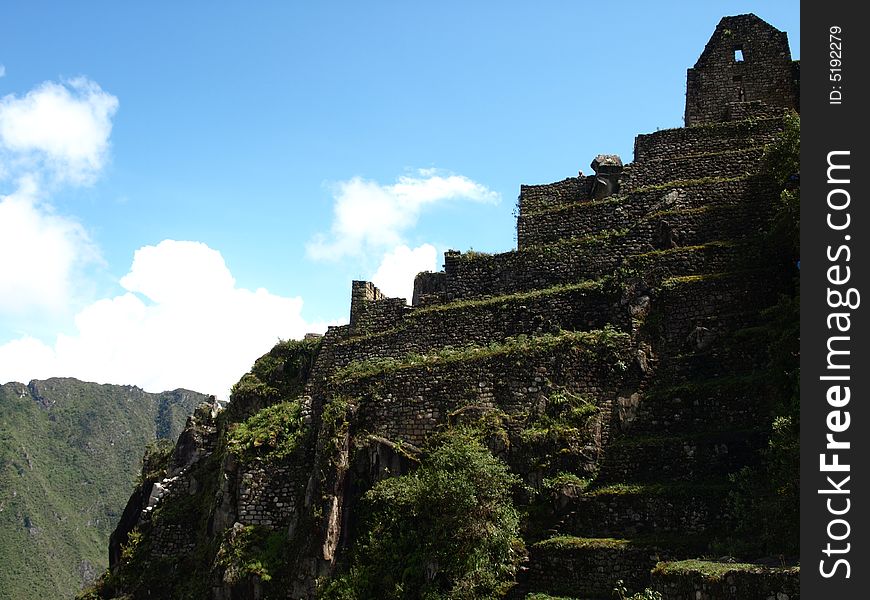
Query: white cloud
(40,253)
(61,128)
(368,215)
(175,272)
(199,330)
(395,275)
(57,133)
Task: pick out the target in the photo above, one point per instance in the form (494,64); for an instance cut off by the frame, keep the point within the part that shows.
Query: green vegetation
(252,551)
(471,254)
(617,199)
(278,375)
(681,183)
(559,246)
(641,258)
(695,436)
(568,542)
(155,462)
(772,488)
(782,163)
(673,282)
(698,210)
(728,384)
(742,126)
(445,531)
(621,593)
(272,434)
(70,453)
(563,480)
(711,570)
(564,422)
(673,490)
(334,424)
(588,285)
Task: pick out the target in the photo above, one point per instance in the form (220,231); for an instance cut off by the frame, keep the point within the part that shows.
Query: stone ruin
(660,257)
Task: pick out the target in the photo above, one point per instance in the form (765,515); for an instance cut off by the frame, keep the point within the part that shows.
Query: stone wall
(574,260)
(706,139)
(475,276)
(371,311)
(589,569)
(654,510)
(270,495)
(764,73)
(700,457)
(716,404)
(698,310)
(678,581)
(726,164)
(429,288)
(578,308)
(410,403)
(748,200)
(535,198)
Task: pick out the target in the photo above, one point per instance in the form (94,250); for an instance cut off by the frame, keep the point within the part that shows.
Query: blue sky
(182,184)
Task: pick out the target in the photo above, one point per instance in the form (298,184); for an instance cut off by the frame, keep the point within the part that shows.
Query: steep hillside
(605,407)
(69,452)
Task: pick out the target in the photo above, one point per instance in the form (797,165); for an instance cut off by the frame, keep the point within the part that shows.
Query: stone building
(746,69)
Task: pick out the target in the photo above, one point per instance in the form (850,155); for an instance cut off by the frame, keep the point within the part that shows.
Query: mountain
(69,453)
(595,413)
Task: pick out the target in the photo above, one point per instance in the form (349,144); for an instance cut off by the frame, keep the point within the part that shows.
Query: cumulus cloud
(40,253)
(61,128)
(57,133)
(182,322)
(368,215)
(395,275)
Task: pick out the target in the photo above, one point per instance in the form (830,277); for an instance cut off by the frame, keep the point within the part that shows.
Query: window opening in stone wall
(738,85)
(738,53)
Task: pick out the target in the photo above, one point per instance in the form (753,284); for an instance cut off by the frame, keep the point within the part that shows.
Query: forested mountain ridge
(69,452)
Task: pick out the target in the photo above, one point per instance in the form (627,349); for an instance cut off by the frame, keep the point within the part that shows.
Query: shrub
(252,550)
(271,434)
(447,530)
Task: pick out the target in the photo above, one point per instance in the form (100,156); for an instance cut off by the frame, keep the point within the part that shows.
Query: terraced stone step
(677,580)
(726,163)
(631,510)
(740,350)
(691,457)
(511,378)
(734,402)
(589,257)
(583,306)
(690,311)
(747,201)
(714,137)
(714,362)
(719,256)
(588,568)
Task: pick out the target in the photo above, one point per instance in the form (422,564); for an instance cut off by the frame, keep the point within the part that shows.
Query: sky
(183,184)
